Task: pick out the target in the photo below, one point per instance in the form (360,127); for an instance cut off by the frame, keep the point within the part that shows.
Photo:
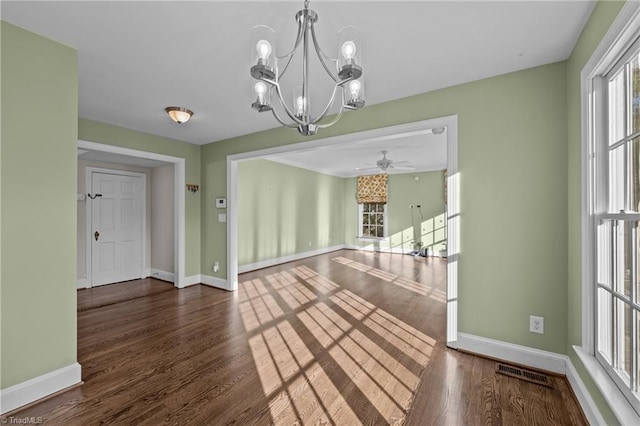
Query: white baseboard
(395,250)
(39,387)
(284,259)
(215,282)
(162,275)
(536,358)
(83,283)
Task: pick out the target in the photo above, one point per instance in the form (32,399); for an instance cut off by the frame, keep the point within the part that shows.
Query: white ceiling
(136,58)
(418,152)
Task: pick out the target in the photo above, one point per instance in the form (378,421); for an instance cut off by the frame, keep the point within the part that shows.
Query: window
(615,215)
(372,220)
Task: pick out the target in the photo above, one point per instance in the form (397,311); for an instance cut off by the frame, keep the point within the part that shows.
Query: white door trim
(391,132)
(179,191)
(90,170)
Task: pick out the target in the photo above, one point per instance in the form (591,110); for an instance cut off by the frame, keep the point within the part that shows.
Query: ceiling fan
(386,163)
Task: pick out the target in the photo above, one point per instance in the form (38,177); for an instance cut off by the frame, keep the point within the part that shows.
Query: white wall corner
(39,387)
(215,282)
(523,355)
(191,280)
(83,283)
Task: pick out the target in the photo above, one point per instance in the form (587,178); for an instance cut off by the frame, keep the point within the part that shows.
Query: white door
(116,228)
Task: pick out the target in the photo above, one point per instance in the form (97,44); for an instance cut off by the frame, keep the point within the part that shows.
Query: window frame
(615,49)
(385,221)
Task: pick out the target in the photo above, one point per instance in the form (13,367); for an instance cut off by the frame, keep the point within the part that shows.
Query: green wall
(113,135)
(512,161)
(519,162)
(281,209)
(426,223)
(38,168)
(285,210)
(601,19)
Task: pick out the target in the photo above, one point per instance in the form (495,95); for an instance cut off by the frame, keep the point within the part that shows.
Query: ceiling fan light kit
(269,68)
(386,163)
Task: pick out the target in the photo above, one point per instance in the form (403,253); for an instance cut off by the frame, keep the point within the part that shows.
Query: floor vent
(521,373)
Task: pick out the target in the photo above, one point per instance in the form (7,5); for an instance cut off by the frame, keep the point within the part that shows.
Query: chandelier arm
(275,114)
(333,97)
(321,55)
(334,121)
(286,108)
(289,55)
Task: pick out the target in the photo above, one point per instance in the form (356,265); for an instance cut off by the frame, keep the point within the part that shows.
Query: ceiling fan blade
(359,169)
(403,167)
(400,162)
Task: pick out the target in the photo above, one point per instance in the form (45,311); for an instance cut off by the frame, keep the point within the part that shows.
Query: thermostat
(221,203)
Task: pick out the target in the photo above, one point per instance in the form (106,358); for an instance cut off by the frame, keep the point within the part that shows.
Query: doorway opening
(115,154)
(389,133)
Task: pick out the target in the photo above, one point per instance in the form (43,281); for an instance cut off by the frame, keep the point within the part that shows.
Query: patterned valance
(372,189)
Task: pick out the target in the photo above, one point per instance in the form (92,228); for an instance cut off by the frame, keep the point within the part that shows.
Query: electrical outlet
(216,266)
(309,243)
(536,324)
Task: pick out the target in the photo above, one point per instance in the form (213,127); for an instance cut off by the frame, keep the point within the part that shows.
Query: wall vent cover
(521,373)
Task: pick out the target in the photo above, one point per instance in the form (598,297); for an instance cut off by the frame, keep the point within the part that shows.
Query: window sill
(623,411)
(371,239)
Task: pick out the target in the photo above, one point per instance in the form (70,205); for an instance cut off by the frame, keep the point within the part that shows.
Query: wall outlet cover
(536,324)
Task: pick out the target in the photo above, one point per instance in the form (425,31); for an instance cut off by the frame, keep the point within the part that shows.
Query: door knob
(96,235)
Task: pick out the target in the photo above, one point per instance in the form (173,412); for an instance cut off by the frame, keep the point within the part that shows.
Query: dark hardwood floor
(344,338)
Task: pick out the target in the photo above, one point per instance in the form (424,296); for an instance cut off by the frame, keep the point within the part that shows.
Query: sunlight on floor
(348,347)
(414,286)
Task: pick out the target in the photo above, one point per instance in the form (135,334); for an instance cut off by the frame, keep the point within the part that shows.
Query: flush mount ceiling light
(179,115)
(345,71)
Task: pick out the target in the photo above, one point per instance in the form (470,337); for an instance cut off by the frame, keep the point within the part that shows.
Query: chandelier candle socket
(268,69)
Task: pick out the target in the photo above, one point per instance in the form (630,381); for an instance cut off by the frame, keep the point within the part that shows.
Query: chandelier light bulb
(349,49)
(264,49)
(300,101)
(260,88)
(354,88)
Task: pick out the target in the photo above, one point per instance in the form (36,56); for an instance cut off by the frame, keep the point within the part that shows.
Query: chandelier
(345,71)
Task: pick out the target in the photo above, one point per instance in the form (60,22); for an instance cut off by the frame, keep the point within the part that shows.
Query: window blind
(372,189)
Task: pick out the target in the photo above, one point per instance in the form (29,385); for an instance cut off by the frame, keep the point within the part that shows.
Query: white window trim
(385,225)
(620,36)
